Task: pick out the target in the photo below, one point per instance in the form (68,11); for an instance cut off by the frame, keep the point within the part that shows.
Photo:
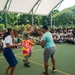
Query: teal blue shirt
(49,40)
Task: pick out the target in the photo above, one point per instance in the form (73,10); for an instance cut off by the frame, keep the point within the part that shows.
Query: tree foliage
(2,27)
(67,16)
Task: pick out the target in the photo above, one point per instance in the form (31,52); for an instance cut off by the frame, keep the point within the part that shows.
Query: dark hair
(8,30)
(45,27)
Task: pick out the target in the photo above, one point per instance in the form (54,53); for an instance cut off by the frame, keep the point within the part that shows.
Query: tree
(2,27)
(55,12)
(46,20)
(65,17)
(12,19)
(38,20)
(16,27)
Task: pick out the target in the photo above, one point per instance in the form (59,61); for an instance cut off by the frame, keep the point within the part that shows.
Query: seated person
(35,40)
(65,37)
(60,40)
(1,45)
(73,36)
(55,38)
(38,40)
(73,40)
(70,39)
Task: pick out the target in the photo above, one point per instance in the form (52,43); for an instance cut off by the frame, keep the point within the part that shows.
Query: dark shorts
(48,53)
(9,56)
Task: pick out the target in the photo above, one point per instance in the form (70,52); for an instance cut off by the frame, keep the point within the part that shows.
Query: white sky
(66,4)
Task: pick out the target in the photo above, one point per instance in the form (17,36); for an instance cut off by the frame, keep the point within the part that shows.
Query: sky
(66,4)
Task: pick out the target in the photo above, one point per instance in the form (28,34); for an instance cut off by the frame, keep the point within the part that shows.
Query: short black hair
(8,30)
(45,27)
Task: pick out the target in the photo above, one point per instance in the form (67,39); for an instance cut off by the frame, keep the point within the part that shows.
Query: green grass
(64,55)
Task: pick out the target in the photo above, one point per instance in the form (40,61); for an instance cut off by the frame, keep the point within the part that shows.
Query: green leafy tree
(65,17)
(23,27)
(38,20)
(16,27)
(2,27)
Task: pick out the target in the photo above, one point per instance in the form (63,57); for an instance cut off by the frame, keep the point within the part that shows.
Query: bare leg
(6,71)
(12,70)
(46,67)
(53,62)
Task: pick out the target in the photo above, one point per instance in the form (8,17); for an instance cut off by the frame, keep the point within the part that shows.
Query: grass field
(65,61)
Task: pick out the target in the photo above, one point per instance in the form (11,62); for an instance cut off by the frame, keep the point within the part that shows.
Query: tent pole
(38,5)
(6,21)
(32,18)
(51,20)
(5,10)
(5,5)
(57,5)
(34,6)
(54,21)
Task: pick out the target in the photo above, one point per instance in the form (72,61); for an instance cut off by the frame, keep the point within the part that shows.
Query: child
(60,40)
(35,40)
(1,45)
(39,40)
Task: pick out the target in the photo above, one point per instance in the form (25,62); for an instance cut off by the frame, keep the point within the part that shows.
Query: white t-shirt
(7,40)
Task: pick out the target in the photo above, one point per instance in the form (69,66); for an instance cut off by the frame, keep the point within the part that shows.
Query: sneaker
(44,73)
(54,69)
(26,65)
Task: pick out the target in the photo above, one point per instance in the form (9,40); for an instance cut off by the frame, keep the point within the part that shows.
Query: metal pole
(51,20)
(54,21)
(6,21)
(32,18)
(34,6)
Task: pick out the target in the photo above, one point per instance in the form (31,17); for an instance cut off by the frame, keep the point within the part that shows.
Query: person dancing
(27,44)
(7,51)
(48,43)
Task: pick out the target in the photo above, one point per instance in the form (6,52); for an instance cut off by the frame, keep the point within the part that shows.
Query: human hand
(19,44)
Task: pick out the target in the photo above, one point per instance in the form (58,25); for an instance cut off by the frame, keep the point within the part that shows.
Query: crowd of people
(25,40)
(64,35)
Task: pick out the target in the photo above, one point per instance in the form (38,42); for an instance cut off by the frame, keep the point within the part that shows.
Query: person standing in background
(1,44)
